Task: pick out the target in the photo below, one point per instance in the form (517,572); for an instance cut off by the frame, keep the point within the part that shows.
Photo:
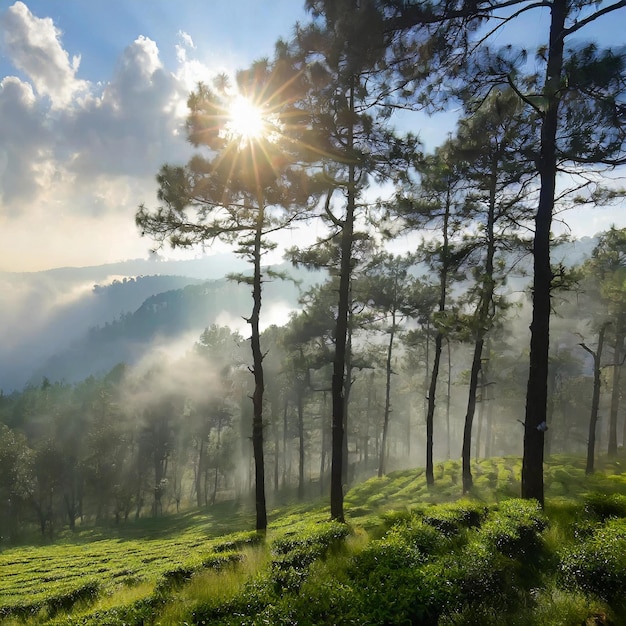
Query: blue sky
(92,97)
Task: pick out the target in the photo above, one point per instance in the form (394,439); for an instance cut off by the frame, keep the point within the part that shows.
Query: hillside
(409,554)
(170,321)
(69,323)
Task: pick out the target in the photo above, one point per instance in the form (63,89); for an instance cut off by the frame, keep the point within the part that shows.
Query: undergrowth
(401,559)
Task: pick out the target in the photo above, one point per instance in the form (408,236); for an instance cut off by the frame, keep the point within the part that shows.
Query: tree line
(328,98)
(169,434)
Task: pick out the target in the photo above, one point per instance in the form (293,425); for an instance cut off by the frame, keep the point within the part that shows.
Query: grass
(409,554)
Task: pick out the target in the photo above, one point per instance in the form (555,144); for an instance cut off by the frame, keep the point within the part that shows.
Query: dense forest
(396,359)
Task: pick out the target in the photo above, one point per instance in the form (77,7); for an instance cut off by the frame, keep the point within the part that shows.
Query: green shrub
(479,576)
(321,601)
(320,534)
(295,551)
(241,540)
(421,537)
(598,563)
(603,506)
(514,527)
(254,597)
(392,588)
(451,518)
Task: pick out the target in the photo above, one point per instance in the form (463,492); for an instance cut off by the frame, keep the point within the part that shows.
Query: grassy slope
(484,560)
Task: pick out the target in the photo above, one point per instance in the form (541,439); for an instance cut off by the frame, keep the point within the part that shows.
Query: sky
(92,103)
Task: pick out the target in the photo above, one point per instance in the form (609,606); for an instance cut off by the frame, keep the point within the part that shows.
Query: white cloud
(134,123)
(24,143)
(34,46)
(186,39)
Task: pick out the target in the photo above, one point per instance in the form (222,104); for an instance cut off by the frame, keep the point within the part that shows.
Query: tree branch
(594,16)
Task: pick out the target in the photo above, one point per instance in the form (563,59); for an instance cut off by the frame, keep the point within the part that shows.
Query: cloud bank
(77,157)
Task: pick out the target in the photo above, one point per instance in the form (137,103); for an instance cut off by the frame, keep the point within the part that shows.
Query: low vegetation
(409,554)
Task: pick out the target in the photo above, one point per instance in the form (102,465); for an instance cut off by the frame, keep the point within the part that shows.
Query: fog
(43,313)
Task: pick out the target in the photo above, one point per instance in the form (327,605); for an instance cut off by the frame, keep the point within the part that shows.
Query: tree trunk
(615,392)
(595,399)
(301,444)
(432,389)
(537,389)
(341,334)
(469,416)
(482,326)
(448,402)
(199,473)
(345,476)
(324,444)
(217,460)
(259,387)
(383,447)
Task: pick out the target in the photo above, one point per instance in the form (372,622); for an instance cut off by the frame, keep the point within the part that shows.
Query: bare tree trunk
(432,389)
(341,334)
(301,445)
(346,404)
(483,322)
(259,387)
(217,456)
(324,444)
(383,447)
(448,401)
(537,390)
(615,392)
(285,430)
(595,399)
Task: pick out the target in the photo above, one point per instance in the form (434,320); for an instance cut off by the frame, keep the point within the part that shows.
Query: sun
(246,121)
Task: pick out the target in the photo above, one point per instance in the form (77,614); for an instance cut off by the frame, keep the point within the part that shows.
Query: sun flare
(246,120)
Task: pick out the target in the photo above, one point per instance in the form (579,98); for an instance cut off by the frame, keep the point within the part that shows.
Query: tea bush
(598,563)
(514,527)
(602,506)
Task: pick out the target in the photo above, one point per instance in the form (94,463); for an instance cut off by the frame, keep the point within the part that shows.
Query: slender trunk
(481,411)
(382,466)
(595,399)
(217,456)
(615,392)
(301,446)
(432,390)
(285,428)
(259,387)
(346,403)
(537,389)
(551,402)
(483,322)
(324,444)
(368,419)
(491,434)
(341,333)
(487,404)
(430,472)
(469,417)
(427,367)
(199,472)
(448,401)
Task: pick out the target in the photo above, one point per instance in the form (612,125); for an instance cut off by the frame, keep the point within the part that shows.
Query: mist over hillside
(42,313)
(68,323)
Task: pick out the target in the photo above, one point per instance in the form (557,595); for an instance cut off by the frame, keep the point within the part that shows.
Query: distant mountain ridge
(175,317)
(42,313)
(69,323)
